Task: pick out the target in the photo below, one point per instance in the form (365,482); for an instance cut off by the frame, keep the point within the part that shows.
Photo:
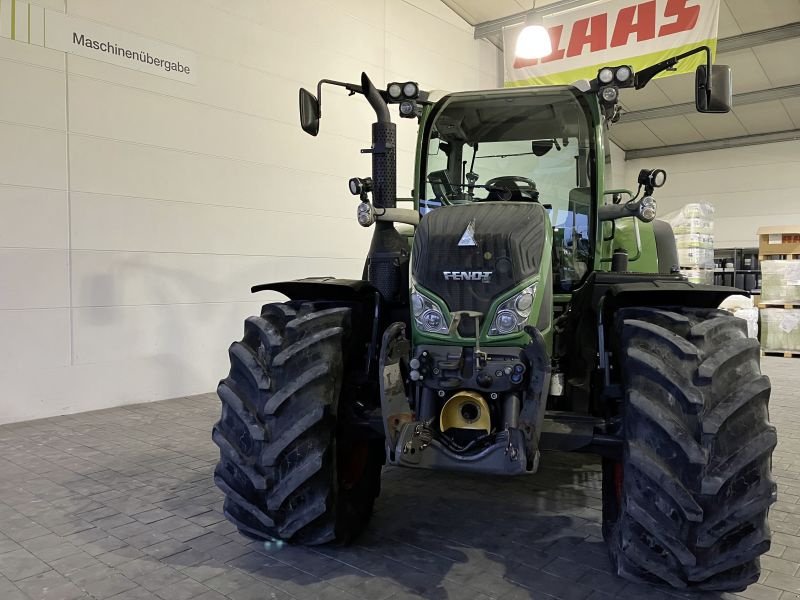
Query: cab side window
(571,241)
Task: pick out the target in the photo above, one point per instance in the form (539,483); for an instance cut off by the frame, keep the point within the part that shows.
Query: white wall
(749,187)
(137,211)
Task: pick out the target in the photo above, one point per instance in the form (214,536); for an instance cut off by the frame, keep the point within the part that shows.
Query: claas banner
(611,33)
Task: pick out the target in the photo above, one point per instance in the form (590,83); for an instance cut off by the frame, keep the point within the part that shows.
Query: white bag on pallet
(780,330)
(780,281)
(742,307)
(693,226)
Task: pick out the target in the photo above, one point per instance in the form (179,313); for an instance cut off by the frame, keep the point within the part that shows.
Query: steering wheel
(508,184)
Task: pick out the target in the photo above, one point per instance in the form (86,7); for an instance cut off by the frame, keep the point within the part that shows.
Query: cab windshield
(517,146)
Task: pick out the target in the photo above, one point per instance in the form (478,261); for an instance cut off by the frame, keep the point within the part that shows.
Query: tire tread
(698,443)
(278,427)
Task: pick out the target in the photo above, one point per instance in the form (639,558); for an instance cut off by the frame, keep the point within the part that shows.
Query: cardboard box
(779,239)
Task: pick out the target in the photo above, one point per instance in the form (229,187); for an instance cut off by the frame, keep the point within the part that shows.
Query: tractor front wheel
(687,505)
(290,467)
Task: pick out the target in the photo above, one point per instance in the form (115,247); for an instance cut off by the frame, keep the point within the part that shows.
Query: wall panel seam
(32,126)
(35,65)
(214,205)
(227,12)
(105,306)
(40,308)
(161,304)
(31,187)
(217,156)
(183,150)
(69,205)
(469,65)
(231,254)
(740,190)
(315,257)
(440,20)
(193,101)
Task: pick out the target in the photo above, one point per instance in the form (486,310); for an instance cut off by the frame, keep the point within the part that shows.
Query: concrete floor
(120,504)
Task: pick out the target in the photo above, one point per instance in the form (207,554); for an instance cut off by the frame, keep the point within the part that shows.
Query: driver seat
(441,185)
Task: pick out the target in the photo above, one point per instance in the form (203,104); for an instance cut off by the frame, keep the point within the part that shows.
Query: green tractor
(516,305)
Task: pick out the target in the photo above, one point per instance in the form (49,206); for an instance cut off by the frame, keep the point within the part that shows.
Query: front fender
(361,296)
(322,288)
(667,293)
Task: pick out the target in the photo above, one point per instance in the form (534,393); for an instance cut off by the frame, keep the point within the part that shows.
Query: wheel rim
(352,464)
(619,478)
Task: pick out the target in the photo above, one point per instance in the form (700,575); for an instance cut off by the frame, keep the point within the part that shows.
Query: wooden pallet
(789,305)
(783,353)
(783,255)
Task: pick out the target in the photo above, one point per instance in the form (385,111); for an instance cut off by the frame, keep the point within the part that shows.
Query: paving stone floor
(120,504)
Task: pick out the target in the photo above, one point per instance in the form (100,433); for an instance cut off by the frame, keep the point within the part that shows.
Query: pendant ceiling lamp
(534,40)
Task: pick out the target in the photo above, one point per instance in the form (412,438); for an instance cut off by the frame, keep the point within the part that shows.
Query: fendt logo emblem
(482,276)
(468,237)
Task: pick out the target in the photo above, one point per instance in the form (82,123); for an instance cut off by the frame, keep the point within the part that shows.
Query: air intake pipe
(384,149)
(387,262)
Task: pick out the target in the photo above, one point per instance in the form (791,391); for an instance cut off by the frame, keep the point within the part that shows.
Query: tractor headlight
(524,301)
(394,90)
(417,304)
(408,109)
(647,209)
(605,75)
(610,94)
(428,314)
(505,321)
(512,315)
(623,74)
(411,90)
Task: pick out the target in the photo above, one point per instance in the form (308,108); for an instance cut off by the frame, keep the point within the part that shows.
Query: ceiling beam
(723,144)
(675,110)
(759,38)
(487,28)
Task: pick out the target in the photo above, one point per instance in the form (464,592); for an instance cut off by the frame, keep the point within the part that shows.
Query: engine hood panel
(468,254)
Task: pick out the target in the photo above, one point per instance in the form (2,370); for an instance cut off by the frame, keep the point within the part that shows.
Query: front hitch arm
(395,409)
(531,417)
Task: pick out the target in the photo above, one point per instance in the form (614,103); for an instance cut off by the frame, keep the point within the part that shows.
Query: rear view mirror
(720,97)
(309,112)
(541,147)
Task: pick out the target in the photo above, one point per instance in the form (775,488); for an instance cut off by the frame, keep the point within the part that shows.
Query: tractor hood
(469,254)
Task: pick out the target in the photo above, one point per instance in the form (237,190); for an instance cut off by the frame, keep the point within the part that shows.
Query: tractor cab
(510,146)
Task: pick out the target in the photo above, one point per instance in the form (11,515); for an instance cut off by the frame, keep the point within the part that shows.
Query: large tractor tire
(687,505)
(290,467)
